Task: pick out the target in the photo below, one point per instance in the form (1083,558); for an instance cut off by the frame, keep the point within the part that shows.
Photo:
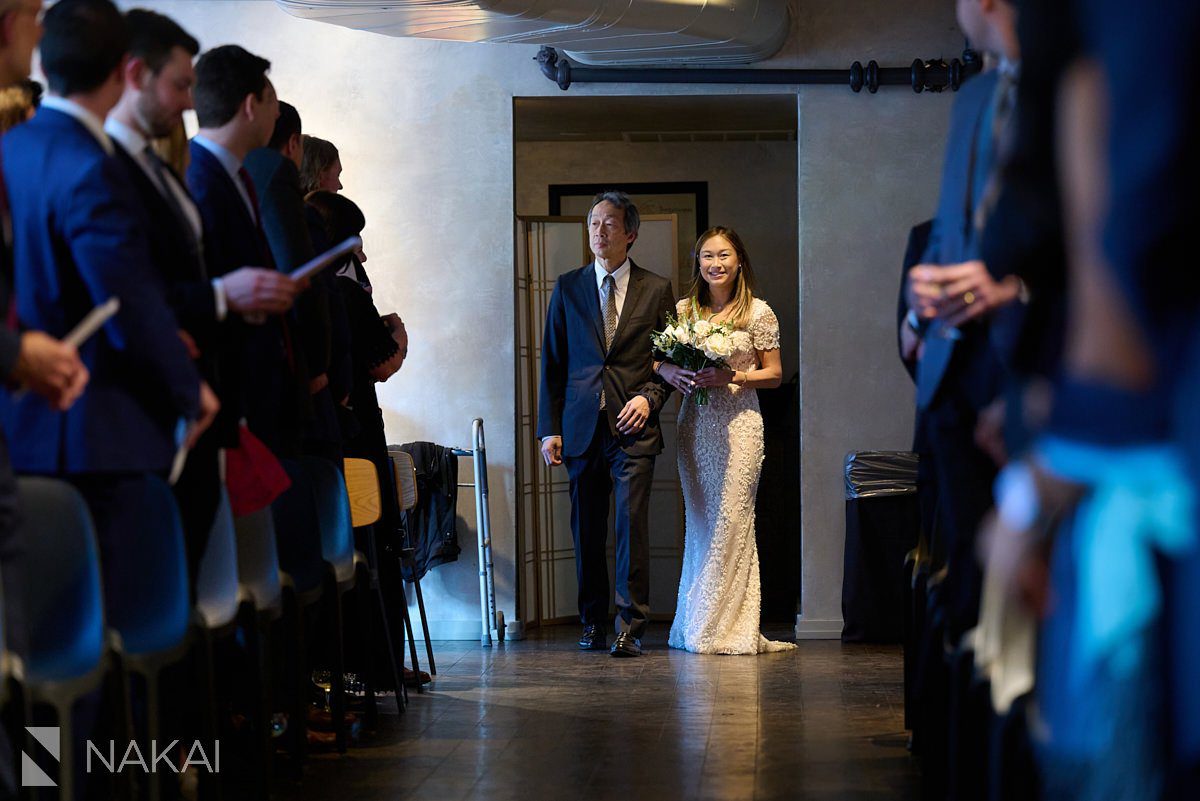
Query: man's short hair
(287,126)
(152,37)
(83,42)
(224,76)
(622,201)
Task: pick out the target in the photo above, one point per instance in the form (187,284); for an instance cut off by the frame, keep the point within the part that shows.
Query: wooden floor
(539,720)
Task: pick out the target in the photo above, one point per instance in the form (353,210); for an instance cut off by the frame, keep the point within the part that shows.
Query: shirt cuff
(549,436)
(219,299)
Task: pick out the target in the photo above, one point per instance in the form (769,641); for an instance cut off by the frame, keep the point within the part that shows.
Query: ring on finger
(968,297)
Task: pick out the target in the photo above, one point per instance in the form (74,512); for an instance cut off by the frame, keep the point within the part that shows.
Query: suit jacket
(575,367)
(286,225)
(10,339)
(258,382)
(80,239)
(918,241)
(180,265)
(965,366)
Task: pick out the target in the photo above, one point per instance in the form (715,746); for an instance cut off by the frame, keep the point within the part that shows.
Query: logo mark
(48,738)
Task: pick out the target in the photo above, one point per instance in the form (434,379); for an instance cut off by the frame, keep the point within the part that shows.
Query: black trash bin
(883,521)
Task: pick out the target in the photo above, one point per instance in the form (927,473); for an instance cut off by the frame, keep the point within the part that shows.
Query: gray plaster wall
(425,131)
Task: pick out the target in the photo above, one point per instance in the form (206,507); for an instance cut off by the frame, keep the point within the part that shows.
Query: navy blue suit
(258,382)
(576,367)
(957,378)
(79,240)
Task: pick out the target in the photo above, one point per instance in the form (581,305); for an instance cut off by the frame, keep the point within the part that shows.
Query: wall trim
(447,629)
(818,629)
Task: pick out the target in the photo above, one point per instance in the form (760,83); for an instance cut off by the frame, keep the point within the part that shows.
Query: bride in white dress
(720,456)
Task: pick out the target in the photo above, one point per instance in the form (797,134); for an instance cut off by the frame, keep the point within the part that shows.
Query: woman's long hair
(741,302)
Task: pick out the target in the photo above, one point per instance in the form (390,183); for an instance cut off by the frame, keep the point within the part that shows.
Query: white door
(547,247)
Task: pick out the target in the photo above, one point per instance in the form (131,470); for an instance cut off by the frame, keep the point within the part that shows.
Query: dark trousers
(198,493)
(963,475)
(600,469)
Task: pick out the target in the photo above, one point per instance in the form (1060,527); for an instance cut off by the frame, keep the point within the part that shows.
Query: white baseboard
(818,629)
(448,629)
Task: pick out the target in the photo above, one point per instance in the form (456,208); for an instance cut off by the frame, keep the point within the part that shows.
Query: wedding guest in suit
(262,371)
(598,414)
(31,359)
(159,77)
(959,373)
(275,171)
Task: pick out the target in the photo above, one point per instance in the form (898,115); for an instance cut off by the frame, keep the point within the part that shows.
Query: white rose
(680,333)
(718,346)
(702,328)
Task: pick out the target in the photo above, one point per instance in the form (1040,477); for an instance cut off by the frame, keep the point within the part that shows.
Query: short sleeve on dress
(764,327)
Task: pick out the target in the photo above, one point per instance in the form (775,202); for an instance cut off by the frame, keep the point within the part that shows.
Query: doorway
(688,161)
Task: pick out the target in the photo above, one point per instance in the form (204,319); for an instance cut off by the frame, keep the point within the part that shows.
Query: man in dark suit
(275,171)
(80,240)
(598,413)
(237,108)
(958,374)
(159,77)
(32,359)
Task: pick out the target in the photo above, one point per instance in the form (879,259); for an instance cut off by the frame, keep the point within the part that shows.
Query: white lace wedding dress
(720,459)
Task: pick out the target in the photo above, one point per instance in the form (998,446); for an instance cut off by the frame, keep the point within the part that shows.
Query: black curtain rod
(933,75)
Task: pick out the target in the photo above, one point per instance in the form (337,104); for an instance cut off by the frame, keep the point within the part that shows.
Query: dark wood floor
(540,721)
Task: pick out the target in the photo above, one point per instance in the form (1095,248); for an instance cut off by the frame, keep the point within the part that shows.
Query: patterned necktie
(609,300)
(610,310)
(1004,103)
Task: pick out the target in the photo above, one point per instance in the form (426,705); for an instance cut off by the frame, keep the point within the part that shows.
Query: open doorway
(688,162)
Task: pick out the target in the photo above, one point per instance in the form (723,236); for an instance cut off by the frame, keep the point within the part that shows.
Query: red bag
(253,476)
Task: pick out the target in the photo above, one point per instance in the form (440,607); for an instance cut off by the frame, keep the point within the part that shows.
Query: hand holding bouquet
(694,345)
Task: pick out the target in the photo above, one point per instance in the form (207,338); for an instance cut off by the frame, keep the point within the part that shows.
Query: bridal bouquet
(694,345)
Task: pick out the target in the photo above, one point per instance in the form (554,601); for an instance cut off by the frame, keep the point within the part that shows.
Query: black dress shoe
(626,646)
(593,638)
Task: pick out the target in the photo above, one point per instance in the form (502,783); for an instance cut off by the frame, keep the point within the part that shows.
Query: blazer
(258,382)
(575,366)
(80,239)
(967,366)
(285,223)
(181,266)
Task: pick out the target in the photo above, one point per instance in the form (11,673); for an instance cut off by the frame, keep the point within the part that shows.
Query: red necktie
(265,248)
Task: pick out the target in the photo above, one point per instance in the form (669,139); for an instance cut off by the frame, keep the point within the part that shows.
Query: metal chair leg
(424,623)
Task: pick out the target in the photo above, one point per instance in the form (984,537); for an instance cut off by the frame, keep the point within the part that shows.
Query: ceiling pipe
(934,75)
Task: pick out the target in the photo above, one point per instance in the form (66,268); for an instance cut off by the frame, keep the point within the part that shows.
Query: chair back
(217,578)
(362,486)
(151,606)
(405,471)
(61,594)
(333,516)
(258,559)
(298,530)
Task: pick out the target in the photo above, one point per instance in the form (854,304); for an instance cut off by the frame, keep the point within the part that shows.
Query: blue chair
(218,599)
(153,613)
(260,590)
(70,650)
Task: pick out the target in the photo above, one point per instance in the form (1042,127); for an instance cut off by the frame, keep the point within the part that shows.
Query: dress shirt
(621,277)
(94,124)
